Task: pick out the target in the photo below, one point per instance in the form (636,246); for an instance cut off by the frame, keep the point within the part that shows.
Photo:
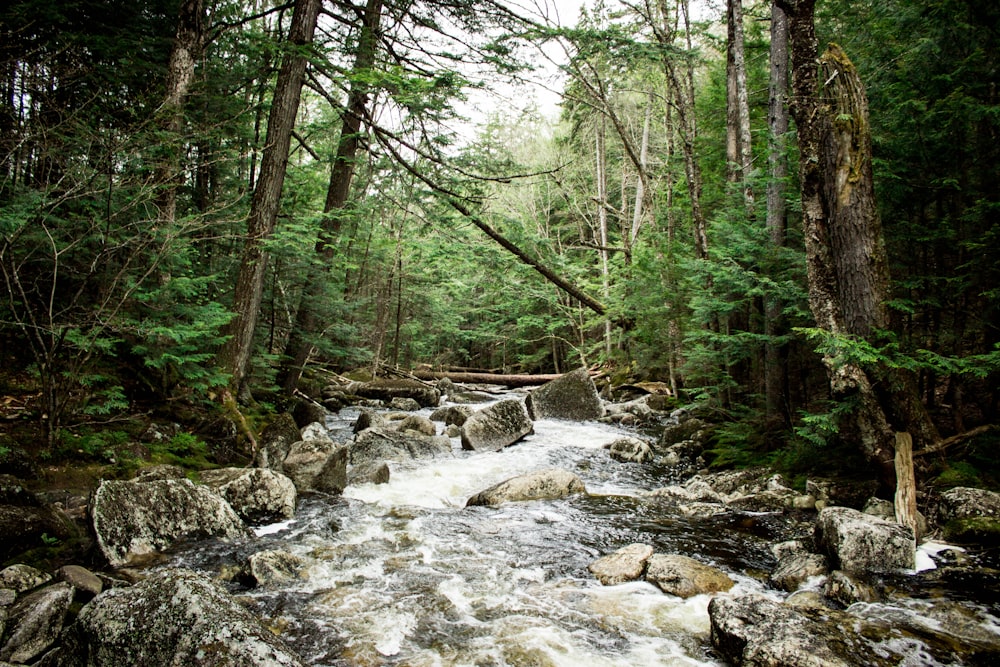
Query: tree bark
(739,147)
(905,502)
(299,346)
(234,356)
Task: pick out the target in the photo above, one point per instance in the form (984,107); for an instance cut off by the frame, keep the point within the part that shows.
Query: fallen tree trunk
(515,380)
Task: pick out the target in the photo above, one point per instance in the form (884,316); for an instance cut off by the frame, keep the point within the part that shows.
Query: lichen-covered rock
(848,589)
(20,577)
(256,494)
(404,403)
(315,431)
(35,622)
(176,617)
(452,415)
(136,518)
(496,426)
(417,424)
(541,485)
(276,440)
(685,429)
(386,390)
(626,564)
(860,543)
(755,630)
(685,577)
(317,465)
(796,569)
(572,396)
(630,450)
(379,444)
(968,503)
(273,566)
(368,419)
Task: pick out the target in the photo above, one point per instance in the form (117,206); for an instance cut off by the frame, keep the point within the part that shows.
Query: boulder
(970,515)
(315,431)
(755,630)
(375,445)
(685,577)
(572,396)
(135,518)
(848,589)
(256,494)
(541,485)
(306,411)
(796,569)
(20,578)
(630,450)
(386,390)
(317,465)
(404,403)
(844,492)
(368,419)
(496,426)
(686,428)
(273,566)
(376,472)
(276,440)
(626,564)
(417,424)
(860,543)
(35,622)
(86,583)
(175,617)
(452,415)
(884,509)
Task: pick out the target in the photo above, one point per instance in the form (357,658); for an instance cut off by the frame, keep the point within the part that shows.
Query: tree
(234,357)
(845,248)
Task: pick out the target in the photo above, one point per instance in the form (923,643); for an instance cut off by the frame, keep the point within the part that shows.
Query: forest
(208,206)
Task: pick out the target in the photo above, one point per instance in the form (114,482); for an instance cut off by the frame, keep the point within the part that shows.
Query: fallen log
(508,380)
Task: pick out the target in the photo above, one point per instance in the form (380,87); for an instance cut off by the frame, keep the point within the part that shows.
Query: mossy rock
(973,530)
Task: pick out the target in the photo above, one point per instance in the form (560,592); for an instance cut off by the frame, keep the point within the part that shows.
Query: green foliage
(185,450)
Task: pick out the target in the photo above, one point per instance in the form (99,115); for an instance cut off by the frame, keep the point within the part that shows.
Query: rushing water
(404,574)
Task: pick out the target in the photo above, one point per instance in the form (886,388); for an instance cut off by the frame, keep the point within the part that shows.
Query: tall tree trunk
(602,223)
(845,251)
(341,176)
(741,99)
(234,356)
(775,378)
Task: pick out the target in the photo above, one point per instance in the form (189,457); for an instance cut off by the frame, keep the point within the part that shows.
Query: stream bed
(404,574)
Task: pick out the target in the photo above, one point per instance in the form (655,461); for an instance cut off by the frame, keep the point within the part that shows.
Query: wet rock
(257,495)
(572,396)
(306,411)
(35,622)
(848,589)
(686,429)
(796,569)
(541,485)
(470,397)
(375,472)
(317,465)
(20,578)
(694,490)
(755,630)
(405,404)
(276,440)
(496,426)
(631,412)
(274,566)
(452,415)
(860,543)
(685,577)
(626,564)
(86,583)
(375,445)
(417,424)
(368,419)
(630,450)
(132,519)
(386,390)
(453,431)
(176,617)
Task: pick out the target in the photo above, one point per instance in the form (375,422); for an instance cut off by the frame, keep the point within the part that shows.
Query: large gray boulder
(257,495)
(755,630)
(317,465)
(541,485)
(496,426)
(36,621)
(136,518)
(572,396)
(176,617)
(970,515)
(860,543)
(20,577)
(626,564)
(685,577)
(276,440)
(385,444)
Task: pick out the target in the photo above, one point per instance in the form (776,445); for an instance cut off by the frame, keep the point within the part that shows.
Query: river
(404,574)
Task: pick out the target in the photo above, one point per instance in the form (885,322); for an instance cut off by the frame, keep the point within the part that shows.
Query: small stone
(626,564)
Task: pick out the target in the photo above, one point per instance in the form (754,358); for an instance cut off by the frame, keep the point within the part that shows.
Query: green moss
(980,530)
